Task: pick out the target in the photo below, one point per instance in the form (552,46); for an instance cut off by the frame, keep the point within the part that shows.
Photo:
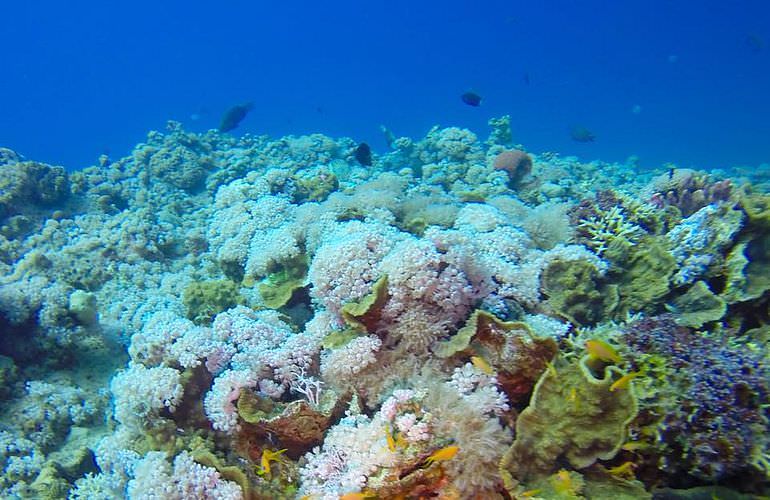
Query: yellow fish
(389,438)
(624,470)
(529,493)
(562,483)
(445,453)
(267,457)
(399,441)
(482,365)
(599,349)
(624,381)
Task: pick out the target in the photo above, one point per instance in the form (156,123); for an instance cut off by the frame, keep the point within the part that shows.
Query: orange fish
(356,496)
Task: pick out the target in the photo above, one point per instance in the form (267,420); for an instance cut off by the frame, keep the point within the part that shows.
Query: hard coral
(516,162)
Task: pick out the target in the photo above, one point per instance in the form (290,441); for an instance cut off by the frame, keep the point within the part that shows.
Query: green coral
(479,322)
(278,287)
(357,313)
(610,227)
(573,415)
(317,187)
(698,306)
(205,299)
(575,291)
(27,185)
(646,276)
(501,131)
(748,270)
(228,472)
(339,338)
(757,209)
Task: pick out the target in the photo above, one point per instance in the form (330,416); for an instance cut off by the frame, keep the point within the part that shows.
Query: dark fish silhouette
(525,78)
(471,98)
(234,116)
(581,134)
(363,154)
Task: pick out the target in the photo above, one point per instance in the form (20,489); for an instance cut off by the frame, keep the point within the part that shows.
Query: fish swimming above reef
(363,154)
(234,116)
(471,98)
(581,134)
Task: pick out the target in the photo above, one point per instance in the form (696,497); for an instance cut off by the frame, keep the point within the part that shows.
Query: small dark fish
(581,134)
(525,78)
(363,154)
(471,98)
(234,116)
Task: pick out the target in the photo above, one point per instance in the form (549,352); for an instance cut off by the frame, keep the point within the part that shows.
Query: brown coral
(516,162)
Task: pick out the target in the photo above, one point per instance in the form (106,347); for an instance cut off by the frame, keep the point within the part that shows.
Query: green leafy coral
(205,299)
(576,291)
(359,313)
(573,415)
(278,287)
(698,306)
(646,274)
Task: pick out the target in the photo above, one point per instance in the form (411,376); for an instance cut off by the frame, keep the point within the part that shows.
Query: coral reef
(222,317)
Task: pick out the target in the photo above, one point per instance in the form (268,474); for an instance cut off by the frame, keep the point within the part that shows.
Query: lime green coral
(748,270)
(278,287)
(573,415)
(205,299)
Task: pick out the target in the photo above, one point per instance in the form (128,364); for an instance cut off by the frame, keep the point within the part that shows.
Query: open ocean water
(385,250)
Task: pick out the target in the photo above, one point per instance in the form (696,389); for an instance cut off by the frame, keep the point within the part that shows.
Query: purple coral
(722,419)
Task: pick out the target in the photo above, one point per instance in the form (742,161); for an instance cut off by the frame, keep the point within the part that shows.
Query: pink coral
(219,403)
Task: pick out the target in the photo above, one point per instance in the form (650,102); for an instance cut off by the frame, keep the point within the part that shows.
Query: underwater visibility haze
(385,250)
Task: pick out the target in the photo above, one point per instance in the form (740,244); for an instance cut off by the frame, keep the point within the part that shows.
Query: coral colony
(222,318)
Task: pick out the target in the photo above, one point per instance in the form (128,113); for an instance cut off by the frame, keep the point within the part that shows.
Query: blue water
(679,81)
